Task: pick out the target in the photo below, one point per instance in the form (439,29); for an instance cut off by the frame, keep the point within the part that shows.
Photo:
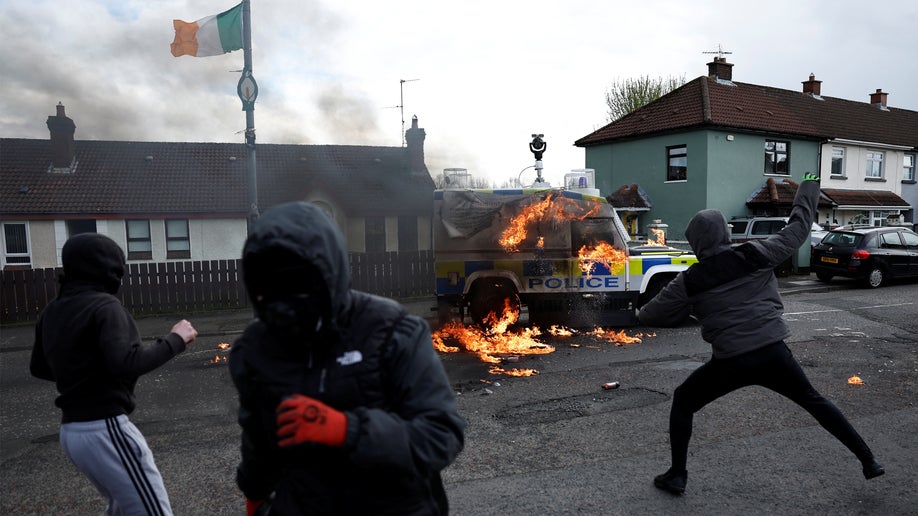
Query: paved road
(555,443)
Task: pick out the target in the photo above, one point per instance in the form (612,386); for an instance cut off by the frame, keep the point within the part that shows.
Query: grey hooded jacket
(733,292)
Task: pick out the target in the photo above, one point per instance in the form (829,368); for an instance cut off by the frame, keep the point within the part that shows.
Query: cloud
(490,73)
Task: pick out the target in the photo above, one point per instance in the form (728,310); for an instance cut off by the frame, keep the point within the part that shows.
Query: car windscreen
(841,239)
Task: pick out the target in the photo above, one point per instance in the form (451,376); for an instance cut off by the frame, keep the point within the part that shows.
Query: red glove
(251,506)
(301,419)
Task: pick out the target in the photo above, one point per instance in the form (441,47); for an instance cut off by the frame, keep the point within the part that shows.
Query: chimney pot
(62,129)
(719,68)
(414,138)
(878,99)
(812,86)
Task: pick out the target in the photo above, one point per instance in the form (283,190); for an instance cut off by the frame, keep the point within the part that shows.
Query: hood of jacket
(305,232)
(94,259)
(708,234)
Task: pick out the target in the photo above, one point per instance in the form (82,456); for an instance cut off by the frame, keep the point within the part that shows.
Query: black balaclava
(289,293)
(95,259)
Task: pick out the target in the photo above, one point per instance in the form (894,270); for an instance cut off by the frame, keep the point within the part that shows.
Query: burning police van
(562,253)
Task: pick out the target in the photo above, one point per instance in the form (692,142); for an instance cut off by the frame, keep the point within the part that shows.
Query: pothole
(561,409)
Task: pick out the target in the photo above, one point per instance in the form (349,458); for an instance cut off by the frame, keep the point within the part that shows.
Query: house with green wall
(718,143)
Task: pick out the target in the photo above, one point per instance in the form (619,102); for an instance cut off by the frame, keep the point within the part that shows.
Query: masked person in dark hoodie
(345,407)
(88,344)
(734,295)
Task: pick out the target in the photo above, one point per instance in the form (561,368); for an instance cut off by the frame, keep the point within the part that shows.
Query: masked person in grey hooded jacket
(734,295)
(344,405)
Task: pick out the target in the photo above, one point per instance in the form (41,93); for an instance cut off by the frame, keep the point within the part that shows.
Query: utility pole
(248,91)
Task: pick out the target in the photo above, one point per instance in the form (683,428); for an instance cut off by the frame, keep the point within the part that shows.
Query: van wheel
(653,288)
(496,298)
(875,278)
(824,277)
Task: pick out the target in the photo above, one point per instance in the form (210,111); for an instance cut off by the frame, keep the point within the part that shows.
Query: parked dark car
(870,254)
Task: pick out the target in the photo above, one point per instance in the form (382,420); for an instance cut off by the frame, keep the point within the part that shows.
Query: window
(908,167)
(677,163)
(910,239)
(178,244)
(777,157)
(77,226)
(890,240)
(376,234)
(16,244)
(838,161)
(139,246)
(874,164)
(407,233)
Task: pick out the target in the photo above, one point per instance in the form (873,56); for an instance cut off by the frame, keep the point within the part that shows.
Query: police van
(562,253)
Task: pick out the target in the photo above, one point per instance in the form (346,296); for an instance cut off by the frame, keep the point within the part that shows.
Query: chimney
(62,129)
(719,68)
(414,138)
(812,86)
(878,99)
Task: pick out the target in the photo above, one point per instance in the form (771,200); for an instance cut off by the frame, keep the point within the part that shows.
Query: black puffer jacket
(375,363)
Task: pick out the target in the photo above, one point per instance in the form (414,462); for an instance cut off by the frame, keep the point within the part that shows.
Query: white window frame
(6,255)
(874,164)
(908,166)
(838,154)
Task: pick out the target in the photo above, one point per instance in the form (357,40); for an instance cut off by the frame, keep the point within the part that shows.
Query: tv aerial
(720,51)
(401,104)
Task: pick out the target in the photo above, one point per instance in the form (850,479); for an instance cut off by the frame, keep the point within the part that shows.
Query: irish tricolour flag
(210,36)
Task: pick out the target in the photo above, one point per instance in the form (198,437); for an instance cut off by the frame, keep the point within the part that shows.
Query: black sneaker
(874,469)
(674,482)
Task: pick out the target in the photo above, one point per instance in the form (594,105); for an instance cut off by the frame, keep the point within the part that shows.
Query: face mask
(299,316)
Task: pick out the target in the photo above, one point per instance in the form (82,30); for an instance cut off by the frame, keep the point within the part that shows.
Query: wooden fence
(202,286)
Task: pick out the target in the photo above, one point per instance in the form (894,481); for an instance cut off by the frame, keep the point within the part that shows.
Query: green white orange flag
(210,36)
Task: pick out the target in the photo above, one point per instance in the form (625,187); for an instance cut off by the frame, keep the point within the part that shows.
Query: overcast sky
(489,73)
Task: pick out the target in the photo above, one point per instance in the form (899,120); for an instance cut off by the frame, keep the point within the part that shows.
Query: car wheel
(875,277)
(824,277)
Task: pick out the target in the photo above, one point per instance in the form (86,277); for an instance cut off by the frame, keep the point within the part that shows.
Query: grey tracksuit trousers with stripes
(114,455)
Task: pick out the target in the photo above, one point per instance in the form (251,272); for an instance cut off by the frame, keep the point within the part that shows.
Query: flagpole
(248,90)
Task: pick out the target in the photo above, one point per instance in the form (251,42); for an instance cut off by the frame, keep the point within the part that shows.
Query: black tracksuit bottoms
(772,367)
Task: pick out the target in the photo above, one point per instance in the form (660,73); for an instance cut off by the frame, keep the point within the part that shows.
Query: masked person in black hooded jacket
(345,407)
(734,295)
(88,344)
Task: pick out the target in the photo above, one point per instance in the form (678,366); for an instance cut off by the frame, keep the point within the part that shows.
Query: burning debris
(220,359)
(512,372)
(498,344)
(855,380)
(490,344)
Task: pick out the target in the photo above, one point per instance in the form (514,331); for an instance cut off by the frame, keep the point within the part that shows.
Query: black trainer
(673,482)
(874,469)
